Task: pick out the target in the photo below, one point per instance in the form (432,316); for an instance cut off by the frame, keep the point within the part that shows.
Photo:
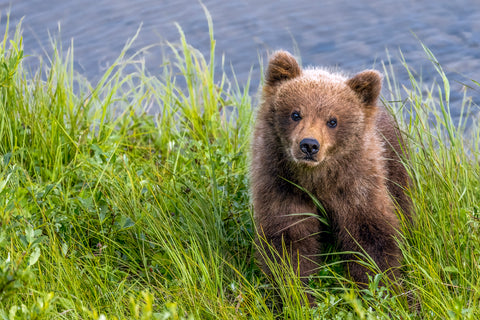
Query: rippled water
(352,35)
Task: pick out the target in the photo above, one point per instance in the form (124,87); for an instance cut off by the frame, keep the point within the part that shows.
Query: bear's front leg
(373,232)
(288,230)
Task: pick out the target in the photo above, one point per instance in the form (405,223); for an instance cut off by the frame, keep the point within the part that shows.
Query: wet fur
(357,174)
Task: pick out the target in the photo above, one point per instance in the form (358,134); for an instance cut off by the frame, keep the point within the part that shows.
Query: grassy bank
(108,211)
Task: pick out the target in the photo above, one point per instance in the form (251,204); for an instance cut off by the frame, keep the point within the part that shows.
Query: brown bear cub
(325,133)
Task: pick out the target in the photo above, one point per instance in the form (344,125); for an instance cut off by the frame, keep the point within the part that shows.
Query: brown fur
(355,171)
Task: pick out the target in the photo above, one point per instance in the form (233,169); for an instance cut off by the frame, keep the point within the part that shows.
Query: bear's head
(319,115)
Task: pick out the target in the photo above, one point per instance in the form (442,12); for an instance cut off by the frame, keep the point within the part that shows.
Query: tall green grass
(111,211)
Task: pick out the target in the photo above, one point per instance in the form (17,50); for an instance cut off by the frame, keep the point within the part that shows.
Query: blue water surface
(350,35)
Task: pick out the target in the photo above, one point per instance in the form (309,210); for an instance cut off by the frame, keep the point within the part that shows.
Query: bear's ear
(282,66)
(367,85)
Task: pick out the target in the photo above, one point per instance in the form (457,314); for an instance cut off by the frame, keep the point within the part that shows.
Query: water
(351,35)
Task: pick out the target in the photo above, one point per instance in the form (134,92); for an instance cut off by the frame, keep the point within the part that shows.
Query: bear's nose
(309,146)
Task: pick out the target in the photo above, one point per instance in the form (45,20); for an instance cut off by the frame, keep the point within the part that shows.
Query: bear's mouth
(308,160)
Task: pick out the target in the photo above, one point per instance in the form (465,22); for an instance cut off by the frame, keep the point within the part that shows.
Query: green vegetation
(110,212)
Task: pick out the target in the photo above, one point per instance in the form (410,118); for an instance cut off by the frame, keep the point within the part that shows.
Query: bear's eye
(296,116)
(332,123)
